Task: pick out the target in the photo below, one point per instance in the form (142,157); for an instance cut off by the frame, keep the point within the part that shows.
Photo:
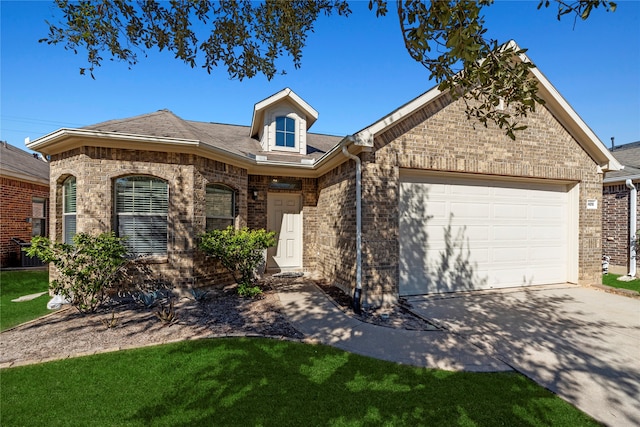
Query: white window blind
(69,210)
(220,207)
(141,213)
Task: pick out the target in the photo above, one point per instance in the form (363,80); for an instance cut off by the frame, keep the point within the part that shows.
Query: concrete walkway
(315,315)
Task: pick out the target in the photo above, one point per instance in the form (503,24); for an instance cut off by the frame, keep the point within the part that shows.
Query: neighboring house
(24,196)
(618,187)
(446,204)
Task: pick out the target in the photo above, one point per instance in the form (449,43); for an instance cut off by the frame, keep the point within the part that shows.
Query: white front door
(284,216)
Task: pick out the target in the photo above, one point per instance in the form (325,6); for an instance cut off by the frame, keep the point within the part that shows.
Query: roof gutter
(621,179)
(633,201)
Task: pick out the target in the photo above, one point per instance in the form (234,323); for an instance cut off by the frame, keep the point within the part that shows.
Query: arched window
(220,207)
(141,210)
(285,132)
(69,209)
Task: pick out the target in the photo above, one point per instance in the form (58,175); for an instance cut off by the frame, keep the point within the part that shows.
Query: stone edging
(14,364)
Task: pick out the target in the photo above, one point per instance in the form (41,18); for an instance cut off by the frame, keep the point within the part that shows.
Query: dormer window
(281,122)
(285,132)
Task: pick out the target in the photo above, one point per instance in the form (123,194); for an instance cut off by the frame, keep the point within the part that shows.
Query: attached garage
(466,232)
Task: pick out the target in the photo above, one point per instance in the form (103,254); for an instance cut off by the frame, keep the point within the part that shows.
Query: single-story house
(620,210)
(24,203)
(421,201)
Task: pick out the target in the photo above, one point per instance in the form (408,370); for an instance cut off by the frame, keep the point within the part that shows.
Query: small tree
(239,251)
(88,268)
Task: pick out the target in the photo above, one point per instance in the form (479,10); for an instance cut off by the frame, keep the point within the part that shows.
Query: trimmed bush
(240,251)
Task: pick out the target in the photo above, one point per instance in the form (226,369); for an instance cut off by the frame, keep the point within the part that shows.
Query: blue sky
(354,71)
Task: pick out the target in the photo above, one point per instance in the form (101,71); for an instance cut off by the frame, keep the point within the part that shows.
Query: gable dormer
(281,121)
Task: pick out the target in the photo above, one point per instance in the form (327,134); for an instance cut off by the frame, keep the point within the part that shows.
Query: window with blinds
(220,207)
(141,206)
(38,216)
(69,210)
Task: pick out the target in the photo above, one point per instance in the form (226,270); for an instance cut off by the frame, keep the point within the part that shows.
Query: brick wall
(615,224)
(440,138)
(334,242)
(96,169)
(15,206)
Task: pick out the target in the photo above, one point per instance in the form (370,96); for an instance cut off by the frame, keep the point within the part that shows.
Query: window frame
(67,235)
(138,220)
(219,218)
(40,220)
(285,132)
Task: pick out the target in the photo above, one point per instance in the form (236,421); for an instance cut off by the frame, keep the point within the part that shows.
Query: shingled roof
(19,164)
(629,156)
(232,138)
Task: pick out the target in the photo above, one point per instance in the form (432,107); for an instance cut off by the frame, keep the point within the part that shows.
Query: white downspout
(633,199)
(357,295)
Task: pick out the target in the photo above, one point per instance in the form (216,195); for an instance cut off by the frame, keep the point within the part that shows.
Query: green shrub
(245,290)
(87,269)
(240,252)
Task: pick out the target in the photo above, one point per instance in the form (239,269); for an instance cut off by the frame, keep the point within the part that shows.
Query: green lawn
(14,284)
(242,381)
(612,280)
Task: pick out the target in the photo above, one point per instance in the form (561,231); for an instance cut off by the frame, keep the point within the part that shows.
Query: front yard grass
(612,280)
(14,284)
(255,381)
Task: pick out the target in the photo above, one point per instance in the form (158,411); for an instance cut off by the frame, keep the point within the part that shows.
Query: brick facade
(440,138)
(16,206)
(96,169)
(615,226)
(437,137)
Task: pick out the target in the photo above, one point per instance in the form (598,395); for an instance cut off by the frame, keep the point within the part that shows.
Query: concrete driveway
(581,343)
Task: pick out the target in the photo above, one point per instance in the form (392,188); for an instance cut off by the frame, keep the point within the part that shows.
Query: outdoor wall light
(255,194)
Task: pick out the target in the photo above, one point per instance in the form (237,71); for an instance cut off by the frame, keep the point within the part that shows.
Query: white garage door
(461,234)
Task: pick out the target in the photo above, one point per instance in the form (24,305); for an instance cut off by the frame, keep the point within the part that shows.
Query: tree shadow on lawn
(255,382)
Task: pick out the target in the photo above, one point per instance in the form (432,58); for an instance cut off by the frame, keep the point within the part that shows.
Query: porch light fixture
(254,193)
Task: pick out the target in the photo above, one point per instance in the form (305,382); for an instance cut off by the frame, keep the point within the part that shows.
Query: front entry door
(284,215)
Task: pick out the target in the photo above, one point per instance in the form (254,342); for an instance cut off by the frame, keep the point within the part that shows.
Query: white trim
(621,179)
(562,111)
(50,139)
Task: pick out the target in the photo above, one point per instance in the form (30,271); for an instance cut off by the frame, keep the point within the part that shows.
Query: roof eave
(18,176)
(65,139)
(554,101)
(568,117)
(68,139)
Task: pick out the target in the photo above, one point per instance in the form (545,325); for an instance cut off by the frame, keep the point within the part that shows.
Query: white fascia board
(571,120)
(50,140)
(397,115)
(65,139)
(564,112)
(582,132)
(621,179)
